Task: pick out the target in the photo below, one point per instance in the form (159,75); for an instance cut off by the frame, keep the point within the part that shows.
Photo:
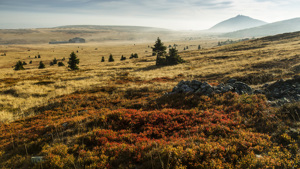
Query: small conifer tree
(19,66)
(30,62)
(159,48)
(134,56)
(39,56)
(24,63)
(111,59)
(42,65)
(173,58)
(123,58)
(54,61)
(102,60)
(199,47)
(73,61)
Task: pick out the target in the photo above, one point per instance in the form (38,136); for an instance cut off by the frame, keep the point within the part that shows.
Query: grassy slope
(118,117)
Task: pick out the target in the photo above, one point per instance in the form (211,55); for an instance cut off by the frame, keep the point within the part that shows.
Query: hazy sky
(171,14)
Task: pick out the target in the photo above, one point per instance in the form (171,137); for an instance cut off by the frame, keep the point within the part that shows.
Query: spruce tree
(54,61)
(19,66)
(102,60)
(159,48)
(111,59)
(173,58)
(73,61)
(199,47)
(42,65)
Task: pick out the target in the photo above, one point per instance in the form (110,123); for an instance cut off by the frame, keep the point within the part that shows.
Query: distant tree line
(227,42)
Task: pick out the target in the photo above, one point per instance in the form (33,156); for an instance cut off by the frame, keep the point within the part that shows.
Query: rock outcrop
(283,91)
(278,93)
(205,88)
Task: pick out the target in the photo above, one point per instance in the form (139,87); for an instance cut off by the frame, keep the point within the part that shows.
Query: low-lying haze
(171,14)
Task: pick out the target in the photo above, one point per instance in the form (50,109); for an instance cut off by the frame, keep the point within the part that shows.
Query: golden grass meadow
(115,114)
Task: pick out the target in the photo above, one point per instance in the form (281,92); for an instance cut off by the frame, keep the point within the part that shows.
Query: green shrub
(61,64)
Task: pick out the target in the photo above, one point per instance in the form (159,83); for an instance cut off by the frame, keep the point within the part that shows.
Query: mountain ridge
(285,26)
(236,23)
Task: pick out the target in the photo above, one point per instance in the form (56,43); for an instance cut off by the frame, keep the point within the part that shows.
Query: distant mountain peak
(285,26)
(237,23)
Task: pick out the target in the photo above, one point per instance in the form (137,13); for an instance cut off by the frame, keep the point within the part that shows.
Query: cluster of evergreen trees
(73,62)
(111,58)
(162,58)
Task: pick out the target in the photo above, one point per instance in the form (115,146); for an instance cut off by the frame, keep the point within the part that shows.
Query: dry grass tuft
(6,117)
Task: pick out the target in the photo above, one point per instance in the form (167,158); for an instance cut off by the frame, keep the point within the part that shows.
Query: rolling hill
(237,23)
(291,25)
(92,33)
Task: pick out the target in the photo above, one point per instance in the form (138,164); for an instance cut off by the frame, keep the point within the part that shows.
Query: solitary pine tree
(199,47)
(111,59)
(73,61)
(42,65)
(102,60)
(19,66)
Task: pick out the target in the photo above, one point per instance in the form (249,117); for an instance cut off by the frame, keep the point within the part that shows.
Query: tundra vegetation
(117,115)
